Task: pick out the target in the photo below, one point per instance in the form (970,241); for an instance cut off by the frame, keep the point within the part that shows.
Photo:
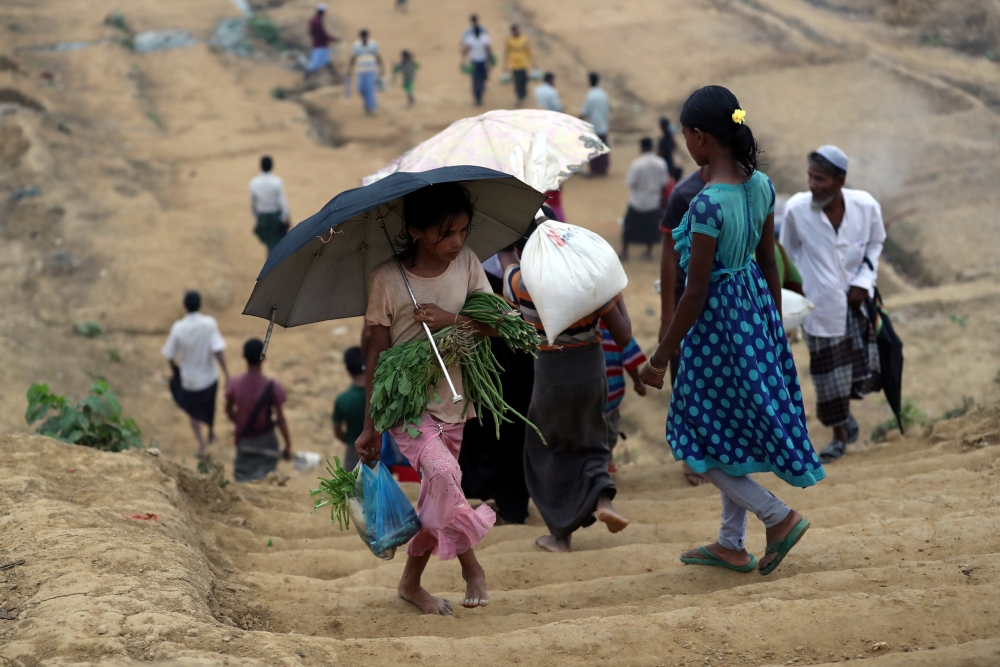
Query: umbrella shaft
(455,396)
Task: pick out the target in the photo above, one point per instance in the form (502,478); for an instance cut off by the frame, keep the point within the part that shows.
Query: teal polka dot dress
(737,403)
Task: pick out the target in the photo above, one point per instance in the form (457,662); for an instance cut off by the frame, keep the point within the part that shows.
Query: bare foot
(428,603)
(556,545)
(607,515)
(475,588)
(737,558)
(777,533)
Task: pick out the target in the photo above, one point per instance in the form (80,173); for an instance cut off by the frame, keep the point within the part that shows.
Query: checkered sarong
(844,367)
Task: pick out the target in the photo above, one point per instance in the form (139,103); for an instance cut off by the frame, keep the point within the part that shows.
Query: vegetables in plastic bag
(335,492)
(389,520)
(570,273)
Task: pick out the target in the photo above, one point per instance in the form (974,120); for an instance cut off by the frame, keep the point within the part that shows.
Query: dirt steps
(900,567)
(904,549)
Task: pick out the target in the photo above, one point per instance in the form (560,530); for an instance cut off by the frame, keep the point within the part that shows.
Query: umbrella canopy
(541,147)
(322,269)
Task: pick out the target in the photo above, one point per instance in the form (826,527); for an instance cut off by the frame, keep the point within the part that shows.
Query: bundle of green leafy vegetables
(336,493)
(405,373)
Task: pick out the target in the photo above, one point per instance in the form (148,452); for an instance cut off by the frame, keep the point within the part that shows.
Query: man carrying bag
(253,403)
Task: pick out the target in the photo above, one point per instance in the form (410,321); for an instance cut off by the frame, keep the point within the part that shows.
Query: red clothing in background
(245,390)
(320,38)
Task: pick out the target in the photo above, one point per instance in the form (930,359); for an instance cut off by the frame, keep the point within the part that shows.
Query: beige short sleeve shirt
(389,305)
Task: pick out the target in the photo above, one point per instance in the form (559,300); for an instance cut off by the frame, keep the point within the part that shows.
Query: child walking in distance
(349,408)
(736,406)
(254,405)
(567,475)
(442,273)
(406,68)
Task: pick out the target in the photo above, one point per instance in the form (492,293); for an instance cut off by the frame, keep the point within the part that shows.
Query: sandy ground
(902,560)
(142,161)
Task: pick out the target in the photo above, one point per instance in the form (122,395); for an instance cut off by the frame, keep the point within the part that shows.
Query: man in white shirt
(646,179)
(834,236)
(192,350)
(367,62)
(476,47)
(269,205)
(546,95)
(473,24)
(595,110)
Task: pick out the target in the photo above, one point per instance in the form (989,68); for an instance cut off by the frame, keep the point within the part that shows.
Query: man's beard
(822,203)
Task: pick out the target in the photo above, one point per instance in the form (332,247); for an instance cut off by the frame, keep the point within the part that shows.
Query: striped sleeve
(632,356)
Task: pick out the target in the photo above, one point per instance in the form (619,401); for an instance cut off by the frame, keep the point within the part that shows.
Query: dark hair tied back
(710,109)
(429,207)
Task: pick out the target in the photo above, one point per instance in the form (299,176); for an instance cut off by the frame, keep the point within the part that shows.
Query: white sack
(570,272)
(794,309)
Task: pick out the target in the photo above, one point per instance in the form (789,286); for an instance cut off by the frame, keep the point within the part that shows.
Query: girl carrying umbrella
(736,406)
(442,272)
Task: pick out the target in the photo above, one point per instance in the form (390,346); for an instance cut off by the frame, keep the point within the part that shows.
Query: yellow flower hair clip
(738,116)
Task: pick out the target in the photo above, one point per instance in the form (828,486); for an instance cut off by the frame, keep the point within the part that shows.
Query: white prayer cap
(834,156)
(321,7)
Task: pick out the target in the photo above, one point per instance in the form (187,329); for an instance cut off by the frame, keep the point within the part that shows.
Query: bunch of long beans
(335,492)
(406,372)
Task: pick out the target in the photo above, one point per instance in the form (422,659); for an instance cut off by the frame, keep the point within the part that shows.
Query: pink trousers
(449,527)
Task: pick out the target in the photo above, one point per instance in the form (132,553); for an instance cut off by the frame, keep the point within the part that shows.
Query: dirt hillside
(900,568)
(123,182)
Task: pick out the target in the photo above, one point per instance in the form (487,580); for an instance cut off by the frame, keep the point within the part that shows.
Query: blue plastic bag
(389,519)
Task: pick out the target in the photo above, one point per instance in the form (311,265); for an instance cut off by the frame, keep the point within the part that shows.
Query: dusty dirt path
(902,560)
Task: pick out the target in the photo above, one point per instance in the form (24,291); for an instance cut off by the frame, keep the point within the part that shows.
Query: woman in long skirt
(567,475)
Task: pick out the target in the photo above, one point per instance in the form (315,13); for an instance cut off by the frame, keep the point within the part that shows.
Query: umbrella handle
(455,396)
(270,328)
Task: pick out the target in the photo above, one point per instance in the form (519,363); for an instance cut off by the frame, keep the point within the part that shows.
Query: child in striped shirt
(616,362)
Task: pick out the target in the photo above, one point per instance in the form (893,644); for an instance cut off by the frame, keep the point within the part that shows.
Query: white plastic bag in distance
(794,310)
(570,272)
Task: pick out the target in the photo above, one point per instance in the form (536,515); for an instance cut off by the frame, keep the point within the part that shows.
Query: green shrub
(116,20)
(967,404)
(911,415)
(95,421)
(265,30)
(89,329)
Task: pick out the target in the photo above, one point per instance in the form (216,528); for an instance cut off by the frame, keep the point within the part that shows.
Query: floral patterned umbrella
(541,148)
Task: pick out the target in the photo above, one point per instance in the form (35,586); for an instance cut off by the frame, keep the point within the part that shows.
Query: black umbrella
(890,354)
(322,269)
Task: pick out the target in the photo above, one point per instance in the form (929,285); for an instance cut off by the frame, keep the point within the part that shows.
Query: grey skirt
(256,457)
(566,476)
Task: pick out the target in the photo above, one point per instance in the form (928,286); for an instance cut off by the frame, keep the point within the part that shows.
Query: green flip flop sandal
(708,558)
(782,547)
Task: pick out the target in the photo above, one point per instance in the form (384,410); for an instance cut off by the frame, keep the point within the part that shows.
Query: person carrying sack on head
(253,403)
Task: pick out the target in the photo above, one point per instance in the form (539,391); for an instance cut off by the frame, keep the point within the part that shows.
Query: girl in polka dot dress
(736,406)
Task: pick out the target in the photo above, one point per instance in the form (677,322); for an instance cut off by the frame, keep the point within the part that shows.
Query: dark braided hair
(710,109)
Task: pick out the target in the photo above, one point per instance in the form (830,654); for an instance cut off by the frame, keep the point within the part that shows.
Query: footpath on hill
(130,556)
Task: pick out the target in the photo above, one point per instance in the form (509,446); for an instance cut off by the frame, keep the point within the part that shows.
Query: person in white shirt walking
(595,110)
(269,205)
(834,236)
(646,179)
(546,95)
(367,62)
(476,47)
(192,350)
